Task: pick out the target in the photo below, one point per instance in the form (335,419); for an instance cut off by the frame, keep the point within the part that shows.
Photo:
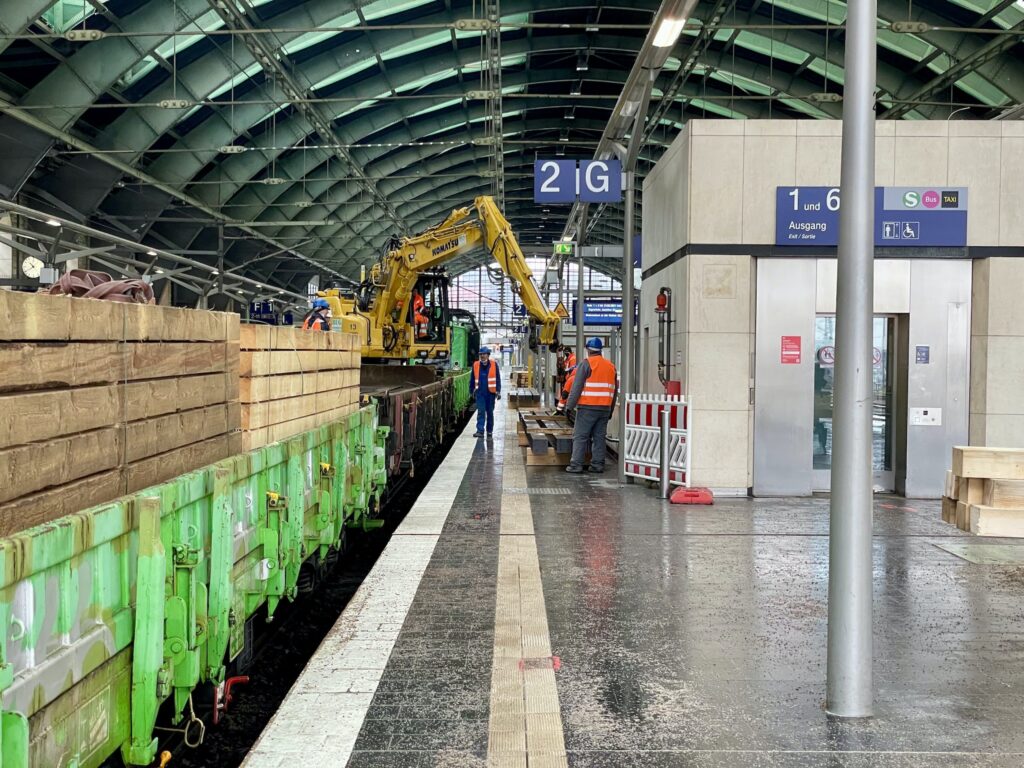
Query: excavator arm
(480,226)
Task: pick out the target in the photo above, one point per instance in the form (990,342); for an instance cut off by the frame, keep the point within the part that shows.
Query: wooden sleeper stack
(294,380)
(99,399)
(985,491)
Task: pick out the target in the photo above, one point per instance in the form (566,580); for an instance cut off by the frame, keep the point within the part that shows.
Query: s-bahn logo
(451,245)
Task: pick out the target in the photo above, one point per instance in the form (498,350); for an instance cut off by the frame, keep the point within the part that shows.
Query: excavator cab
(429,312)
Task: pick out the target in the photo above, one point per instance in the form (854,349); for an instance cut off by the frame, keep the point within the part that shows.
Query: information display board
(600,311)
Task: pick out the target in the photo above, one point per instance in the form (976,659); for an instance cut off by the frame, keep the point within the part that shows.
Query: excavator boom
(384,322)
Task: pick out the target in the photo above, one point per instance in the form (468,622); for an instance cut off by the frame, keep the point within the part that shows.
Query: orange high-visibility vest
(570,361)
(316,322)
(599,388)
(492,375)
(567,388)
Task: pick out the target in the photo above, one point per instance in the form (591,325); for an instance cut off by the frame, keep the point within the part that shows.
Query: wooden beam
(989,463)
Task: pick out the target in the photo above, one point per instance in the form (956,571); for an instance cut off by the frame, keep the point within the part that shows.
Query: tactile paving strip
(526,722)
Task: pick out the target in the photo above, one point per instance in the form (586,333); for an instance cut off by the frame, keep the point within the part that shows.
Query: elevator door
(883,405)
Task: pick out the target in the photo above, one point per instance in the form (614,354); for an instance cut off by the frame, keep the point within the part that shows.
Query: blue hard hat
(595,344)
(321,304)
(485,350)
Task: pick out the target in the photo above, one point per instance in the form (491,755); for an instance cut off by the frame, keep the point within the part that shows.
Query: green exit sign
(563,248)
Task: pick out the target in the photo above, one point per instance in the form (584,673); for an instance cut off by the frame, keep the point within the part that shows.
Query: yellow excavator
(400,309)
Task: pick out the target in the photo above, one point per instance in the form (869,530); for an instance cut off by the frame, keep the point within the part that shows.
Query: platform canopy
(263,129)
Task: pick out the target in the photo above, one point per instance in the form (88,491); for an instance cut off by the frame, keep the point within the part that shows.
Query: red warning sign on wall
(791,350)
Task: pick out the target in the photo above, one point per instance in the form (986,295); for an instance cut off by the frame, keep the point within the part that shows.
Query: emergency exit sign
(563,248)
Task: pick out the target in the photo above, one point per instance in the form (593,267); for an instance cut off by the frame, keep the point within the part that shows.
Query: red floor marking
(897,507)
(554,662)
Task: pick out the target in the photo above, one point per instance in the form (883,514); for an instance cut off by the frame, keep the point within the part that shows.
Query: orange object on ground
(692,496)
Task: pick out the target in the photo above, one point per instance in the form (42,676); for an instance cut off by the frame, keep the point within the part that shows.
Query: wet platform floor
(695,636)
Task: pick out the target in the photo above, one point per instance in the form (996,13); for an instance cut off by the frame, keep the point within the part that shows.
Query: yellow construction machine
(400,309)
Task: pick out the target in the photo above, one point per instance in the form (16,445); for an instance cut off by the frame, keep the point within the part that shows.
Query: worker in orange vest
(570,359)
(486,383)
(319,317)
(420,320)
(592,397)
(570,379)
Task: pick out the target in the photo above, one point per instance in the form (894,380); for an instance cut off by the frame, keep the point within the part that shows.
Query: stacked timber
(293,381)
(985,491)
(100,398)
(546,437)
(521,377)
(523,397)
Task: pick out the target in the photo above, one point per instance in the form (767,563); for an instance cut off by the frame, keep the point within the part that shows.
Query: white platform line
(320,719)
(525,729)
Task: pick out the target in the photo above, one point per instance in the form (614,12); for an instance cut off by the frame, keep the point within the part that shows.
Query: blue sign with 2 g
(560,181)
(904,216)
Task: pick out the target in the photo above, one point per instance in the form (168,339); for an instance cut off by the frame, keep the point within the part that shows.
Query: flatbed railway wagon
(115,616)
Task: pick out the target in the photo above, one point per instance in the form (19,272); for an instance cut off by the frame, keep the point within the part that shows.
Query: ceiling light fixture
(151,253)
(233,149)
(53,222)
(668,32)
(582,61)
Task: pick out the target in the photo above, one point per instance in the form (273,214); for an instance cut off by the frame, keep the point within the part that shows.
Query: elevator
(920,369)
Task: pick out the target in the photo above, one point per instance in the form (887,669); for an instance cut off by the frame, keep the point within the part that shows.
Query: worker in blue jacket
(486,383)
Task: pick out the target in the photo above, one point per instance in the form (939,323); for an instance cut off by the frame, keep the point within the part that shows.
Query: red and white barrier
(643,437)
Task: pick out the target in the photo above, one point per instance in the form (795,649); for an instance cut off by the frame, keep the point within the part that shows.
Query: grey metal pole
(581,297)
(665,458)
(849,681)
(581,291)
(627,376)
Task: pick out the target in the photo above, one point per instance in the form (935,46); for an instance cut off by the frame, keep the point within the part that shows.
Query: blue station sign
(563,181)
(906,217)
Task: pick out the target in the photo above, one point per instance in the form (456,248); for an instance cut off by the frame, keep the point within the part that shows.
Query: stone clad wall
(715,187)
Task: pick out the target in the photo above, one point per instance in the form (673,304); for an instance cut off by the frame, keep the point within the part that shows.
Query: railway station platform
(525,617)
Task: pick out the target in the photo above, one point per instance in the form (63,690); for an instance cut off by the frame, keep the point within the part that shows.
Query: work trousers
(485,410)
(589,433)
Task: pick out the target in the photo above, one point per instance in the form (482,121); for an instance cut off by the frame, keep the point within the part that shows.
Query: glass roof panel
(66,14)
(312,38)
(717,108)
(382,8)
(366,63)
(746,83)
(831,71)
(173,45)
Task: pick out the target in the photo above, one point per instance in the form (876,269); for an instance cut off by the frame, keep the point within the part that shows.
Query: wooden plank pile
(547,438)
(294,380)
(985,491)
(520,397)
(100,398)
(521,377)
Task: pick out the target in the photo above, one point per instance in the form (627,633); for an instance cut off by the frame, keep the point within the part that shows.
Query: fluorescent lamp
(53,222)
(668,32)
(582,63)
(629,108)
(214,272)
(151,253)
(567,239)
(159,271)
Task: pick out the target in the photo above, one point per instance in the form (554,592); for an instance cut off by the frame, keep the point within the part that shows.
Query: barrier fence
(643,437)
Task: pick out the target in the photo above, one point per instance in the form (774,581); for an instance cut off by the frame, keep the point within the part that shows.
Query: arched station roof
(265,129)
